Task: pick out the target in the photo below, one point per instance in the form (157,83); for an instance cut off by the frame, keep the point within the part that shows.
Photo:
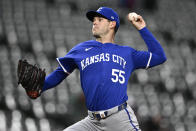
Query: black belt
(103,114)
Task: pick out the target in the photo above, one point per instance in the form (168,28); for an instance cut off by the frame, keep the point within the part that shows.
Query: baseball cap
(105,12)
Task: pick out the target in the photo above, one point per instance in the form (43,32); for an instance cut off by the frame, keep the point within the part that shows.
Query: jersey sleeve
(141,59)
(54,78)
(155,54)
(67,62)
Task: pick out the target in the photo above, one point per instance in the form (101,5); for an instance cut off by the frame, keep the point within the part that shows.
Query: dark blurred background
(163,97)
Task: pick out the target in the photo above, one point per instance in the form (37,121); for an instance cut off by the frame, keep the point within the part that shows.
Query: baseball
(132,16)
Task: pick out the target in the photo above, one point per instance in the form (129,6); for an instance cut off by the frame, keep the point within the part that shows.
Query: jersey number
(118,76)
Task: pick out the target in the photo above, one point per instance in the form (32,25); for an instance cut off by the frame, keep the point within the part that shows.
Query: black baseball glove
(31,78)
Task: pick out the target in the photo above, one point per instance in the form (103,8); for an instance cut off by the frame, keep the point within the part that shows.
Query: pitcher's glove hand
(31,78)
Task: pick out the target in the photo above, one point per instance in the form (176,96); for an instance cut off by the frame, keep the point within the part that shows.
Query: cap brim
(91,14)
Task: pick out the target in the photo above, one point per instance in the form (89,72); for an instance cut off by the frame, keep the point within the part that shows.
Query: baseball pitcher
(105,68)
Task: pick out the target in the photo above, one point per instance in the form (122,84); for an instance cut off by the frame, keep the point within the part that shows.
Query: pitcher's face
(100,27)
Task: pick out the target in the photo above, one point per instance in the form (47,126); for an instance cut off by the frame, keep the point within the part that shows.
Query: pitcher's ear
(113,24)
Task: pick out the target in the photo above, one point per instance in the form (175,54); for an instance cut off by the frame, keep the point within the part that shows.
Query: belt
(98,115)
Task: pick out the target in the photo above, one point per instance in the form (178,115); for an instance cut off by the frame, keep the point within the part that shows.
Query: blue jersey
(106,68)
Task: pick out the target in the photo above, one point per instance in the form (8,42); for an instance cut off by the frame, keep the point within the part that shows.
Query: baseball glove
(31,78)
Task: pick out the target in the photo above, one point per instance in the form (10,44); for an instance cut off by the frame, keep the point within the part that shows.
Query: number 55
(118,76)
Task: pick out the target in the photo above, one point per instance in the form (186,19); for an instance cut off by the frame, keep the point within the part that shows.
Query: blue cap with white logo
(105,12)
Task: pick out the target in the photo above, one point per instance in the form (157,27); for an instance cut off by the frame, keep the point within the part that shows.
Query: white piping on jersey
(62,66)
(148,64)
